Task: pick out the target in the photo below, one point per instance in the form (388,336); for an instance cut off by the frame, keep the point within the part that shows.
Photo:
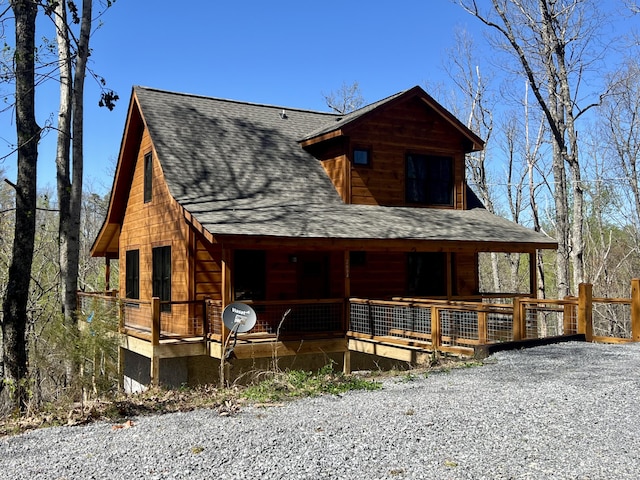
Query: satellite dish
(239,317)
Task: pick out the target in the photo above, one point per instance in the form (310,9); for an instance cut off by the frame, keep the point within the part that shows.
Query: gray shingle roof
(239,170)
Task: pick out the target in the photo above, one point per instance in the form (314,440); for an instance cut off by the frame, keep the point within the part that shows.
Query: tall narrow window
(161,276)
(250,274)
(132,274)
(148,177)
(429,180)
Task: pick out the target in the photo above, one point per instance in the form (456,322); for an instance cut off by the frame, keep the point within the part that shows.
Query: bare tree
(73,53)
(346,99)
(28,132)
(550,40)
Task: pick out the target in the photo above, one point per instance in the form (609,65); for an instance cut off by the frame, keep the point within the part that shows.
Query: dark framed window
(148,177)
(132,274)
(250,274)
(161,276)
(429,180)
(357,258)
(427,274)
(362,157)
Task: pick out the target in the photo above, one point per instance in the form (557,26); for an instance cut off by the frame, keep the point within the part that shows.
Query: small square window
(361,157)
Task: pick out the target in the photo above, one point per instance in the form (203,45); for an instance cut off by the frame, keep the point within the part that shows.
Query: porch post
(226,300)
(635,309)
(517,324)
(533,274)
(107,273)
(346,310)
(155,341)
(585,320)
(449,275)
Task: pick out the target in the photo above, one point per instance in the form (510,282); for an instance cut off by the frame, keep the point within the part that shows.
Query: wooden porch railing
(460,326)
(306,318)
(446,325)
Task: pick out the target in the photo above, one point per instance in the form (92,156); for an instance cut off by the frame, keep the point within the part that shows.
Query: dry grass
(271,390)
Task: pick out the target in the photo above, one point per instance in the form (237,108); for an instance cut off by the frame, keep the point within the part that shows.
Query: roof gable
(351,120)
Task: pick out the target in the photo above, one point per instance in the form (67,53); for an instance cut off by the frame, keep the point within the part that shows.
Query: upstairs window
(429,180)
(132,274)
(361,157)
(148,177)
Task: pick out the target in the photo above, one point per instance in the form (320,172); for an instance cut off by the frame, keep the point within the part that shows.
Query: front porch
(403,329)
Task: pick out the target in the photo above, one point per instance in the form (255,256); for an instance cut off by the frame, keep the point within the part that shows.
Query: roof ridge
(238,102)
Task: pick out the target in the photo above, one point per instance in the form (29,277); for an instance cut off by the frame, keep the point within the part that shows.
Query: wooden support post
(226,300)
(635,309)
(533,274)
(121,317)
(107,273)
(155,368)
(346,311)
(449,275)
(518,332)
(482,328)
(155,341)
(585,306)
(121,368)
(346,366)
(226,285)
(155,321)
(436,333)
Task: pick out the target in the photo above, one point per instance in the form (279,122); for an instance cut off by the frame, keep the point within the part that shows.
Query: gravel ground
(560,411)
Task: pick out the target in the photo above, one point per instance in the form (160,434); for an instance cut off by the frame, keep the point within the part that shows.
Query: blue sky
(281,52)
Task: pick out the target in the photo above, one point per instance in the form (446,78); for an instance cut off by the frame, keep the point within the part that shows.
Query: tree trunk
(17,293)
(70,182)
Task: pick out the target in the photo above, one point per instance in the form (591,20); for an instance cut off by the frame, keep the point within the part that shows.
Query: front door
(313,275)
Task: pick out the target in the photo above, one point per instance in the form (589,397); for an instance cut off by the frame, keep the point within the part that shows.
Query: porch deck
(407,329)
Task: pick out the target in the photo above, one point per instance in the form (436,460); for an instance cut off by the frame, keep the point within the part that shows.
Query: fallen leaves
(127,424)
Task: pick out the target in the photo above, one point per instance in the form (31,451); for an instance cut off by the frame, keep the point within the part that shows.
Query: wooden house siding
(207,270)
(155,224)
(383,275)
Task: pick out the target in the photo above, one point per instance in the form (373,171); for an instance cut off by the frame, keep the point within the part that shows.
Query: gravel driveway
(562,411)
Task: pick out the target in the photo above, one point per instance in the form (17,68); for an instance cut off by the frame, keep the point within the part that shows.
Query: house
(216,201)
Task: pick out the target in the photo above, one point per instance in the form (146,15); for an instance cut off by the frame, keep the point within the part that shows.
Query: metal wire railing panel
(458,327)
(611,319)
(499,327)
(286,318)
(403,321)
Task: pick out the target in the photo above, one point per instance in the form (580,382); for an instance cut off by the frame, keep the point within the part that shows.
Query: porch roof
(366,222)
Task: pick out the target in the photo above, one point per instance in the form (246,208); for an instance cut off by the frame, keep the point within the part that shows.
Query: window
(361,157)
(429,180)
(249,274)
(132,274)
(148,177)
(427,274)
(161,276)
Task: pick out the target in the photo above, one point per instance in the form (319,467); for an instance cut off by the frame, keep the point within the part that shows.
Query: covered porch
(409,330)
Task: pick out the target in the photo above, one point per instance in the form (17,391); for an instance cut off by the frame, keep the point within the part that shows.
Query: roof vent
(283,115)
